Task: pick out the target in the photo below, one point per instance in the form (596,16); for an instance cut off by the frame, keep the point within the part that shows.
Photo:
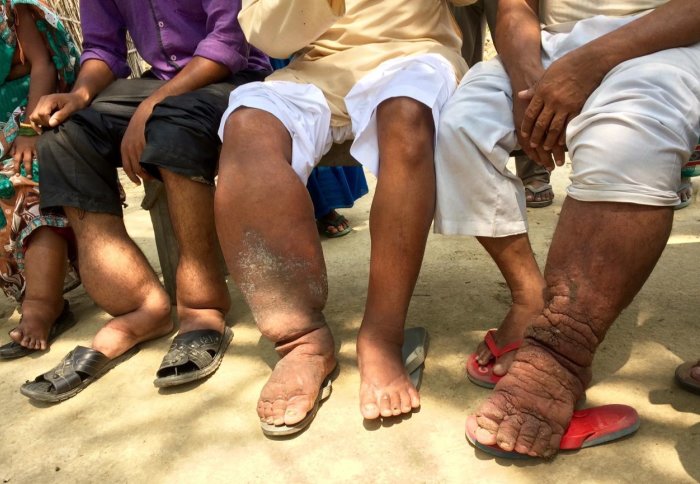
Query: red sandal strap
(497,351)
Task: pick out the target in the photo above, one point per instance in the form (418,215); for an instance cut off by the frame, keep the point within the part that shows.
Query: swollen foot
(292,389)
(385,389)
(531,406)
(35,325)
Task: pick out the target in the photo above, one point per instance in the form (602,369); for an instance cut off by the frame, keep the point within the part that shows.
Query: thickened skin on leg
(45,265)
(600,257)
(117,276)
(400,218)
(202,296)
(265,222)
(514,257)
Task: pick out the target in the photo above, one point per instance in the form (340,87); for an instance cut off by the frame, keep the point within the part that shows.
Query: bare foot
(524,309)
(291,391)
(150,321)
(35,324)
(532,405)
(332,223)
(385,388)
(695,371)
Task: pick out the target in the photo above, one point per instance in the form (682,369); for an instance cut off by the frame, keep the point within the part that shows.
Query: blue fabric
(332,187)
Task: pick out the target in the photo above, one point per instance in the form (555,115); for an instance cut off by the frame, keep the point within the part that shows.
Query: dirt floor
(121,429)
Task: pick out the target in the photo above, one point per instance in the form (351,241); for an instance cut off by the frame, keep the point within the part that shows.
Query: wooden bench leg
(156,202)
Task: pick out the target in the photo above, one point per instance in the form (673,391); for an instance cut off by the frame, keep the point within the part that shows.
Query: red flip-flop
(484,375)
(588,427)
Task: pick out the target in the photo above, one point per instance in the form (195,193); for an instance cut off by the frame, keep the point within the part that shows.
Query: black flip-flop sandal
(192,356)
(77,370)
(414,351)
(63,323)
(684,378)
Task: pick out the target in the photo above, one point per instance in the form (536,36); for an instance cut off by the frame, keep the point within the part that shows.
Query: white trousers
(302,108)
(627,145)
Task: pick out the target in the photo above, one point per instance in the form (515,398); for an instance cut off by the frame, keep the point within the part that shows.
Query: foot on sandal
(300,380)
(538,194)
(530,408)
(333,225)
(192,356)
(386,389)
(28,337)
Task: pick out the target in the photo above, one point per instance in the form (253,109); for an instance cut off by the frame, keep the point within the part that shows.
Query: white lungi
(627,145)
(303,110)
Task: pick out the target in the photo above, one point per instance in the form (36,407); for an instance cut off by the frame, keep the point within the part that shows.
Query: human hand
(537,154)
(23,151)
(556,99)
(133,143)
(54,109)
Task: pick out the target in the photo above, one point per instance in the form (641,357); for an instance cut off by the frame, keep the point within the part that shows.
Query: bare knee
(252,136)
(406,130)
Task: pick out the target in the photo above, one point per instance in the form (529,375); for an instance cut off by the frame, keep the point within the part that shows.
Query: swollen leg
(514,257)
(117,276)
(45,266)
(202,296)
(400,218)
(266,227)
(601,255)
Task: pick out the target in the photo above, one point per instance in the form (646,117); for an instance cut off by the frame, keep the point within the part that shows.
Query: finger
(556,126)
(562,138)
(559,155)
(16,160)
(527,94)
(531,114)
(42,113)
(60,116)
(28,156)
(545,158)
(127,165)
(541,126)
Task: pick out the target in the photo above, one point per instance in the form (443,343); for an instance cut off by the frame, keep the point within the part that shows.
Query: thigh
(637,130)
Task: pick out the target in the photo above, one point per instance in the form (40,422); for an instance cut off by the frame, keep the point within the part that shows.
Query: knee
(408,122)
(252,137)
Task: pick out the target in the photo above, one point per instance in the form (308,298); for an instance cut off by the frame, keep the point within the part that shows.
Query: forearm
(93,78)
(674,24)
(42,81)
(199,72)
(518,40)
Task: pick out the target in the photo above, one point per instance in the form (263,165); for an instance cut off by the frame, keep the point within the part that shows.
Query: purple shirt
(167,34)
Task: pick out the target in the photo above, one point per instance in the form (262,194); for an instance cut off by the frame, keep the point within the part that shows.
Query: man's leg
(400,218)
(78,170)
(265,223)
(117,276)
(592,274)
(202,295)
(514,257)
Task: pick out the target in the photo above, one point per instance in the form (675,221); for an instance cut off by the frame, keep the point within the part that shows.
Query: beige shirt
(337,42)
(555,14)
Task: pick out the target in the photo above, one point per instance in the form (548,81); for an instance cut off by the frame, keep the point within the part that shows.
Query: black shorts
(79,159)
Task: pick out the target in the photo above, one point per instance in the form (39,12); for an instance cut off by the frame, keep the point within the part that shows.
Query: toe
(527,436)
(16,335)
(261,410)
(508,433)
(415,397)
(396,404)
(43,345)
(279,407)
(297,410)
(405,402)
(501,366)
(542,443)
(369,407)
(385,405)
(486,430)
(483,354)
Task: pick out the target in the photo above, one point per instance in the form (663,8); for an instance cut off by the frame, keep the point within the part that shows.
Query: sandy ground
(121,429)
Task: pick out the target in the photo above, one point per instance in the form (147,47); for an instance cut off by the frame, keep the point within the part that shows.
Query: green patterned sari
(19,195)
